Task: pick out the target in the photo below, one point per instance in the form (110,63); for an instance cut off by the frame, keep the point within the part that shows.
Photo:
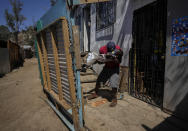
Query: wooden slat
(42,65)
(46,61)
(56,61)
(70,74)
(76,38)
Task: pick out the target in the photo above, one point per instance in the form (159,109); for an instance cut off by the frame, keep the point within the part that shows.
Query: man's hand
(110,55)
(101,59)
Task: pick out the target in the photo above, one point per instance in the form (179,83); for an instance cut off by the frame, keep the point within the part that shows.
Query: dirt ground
(130,114)
(21,105)
(22,108)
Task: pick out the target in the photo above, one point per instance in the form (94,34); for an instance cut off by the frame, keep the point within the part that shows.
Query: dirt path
(21,105)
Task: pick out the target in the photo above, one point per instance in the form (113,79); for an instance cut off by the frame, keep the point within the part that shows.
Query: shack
(146,30)
(11,56)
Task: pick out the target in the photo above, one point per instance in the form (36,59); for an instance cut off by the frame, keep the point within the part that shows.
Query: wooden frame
(45,67)
(46,61)
(42,66)
(76,39)
(45,70)
(70,73)
(55,52)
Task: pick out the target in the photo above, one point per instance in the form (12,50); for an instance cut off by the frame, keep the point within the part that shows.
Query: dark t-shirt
(112,64)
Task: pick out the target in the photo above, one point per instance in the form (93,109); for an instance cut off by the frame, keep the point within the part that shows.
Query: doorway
(147,56)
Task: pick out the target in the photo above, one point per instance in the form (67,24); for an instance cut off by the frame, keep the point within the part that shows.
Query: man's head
(111,46)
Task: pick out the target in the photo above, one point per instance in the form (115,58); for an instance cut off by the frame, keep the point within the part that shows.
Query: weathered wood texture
(46,61)
(42,64)
(76,38)
(123,85)
(70,73)
(57,68)
(15,54)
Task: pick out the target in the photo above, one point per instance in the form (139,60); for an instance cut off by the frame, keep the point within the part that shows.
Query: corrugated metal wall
(62,62)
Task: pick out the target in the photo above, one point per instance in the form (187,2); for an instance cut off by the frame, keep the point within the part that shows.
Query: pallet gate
(60,73)
(58,52)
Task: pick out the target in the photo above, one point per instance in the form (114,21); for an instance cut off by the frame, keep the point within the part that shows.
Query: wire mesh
(147,62)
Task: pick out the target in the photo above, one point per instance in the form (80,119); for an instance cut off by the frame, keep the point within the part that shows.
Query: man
(110,71)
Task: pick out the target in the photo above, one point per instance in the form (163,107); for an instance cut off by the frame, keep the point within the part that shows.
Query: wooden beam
(92,1)
(42,64)
(56,61)
(70,74)
(76,38)
(46,61)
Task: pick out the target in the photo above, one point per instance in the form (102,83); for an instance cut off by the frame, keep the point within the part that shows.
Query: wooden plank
(70,74)
(42,65)
(46,61)
(56,61)
(92,1)
(76,39)
(9,51)
(89,78)
(123,75)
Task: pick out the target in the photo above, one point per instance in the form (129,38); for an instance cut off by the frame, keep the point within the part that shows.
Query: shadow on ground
(174,122)
(2,75)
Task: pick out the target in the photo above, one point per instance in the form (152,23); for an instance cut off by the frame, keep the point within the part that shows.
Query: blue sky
(32,10)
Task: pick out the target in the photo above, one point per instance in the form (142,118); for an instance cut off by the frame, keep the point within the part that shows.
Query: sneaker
(92,96)
(114,103)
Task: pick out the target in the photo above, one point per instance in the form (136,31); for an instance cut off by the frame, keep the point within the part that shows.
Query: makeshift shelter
(11,56)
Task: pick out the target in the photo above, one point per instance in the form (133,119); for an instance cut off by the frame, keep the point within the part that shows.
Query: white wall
(176,72)
(120,32)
